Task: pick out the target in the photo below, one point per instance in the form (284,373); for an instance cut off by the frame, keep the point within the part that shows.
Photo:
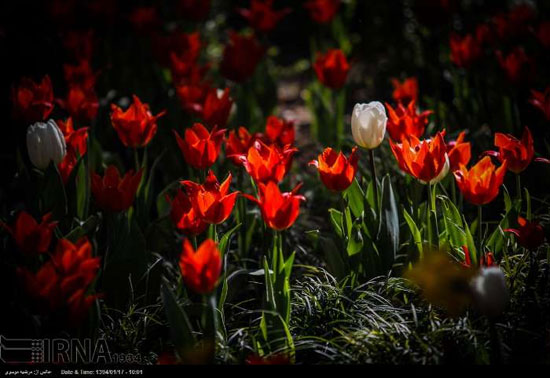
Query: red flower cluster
(541,100)
(405,121)
(261,16)
(238,143)
(406,91)
(77,145)
(63,282)
(200,147)
(465,51)
(200,269)
(195,10)
(322,11)
(136,126)
(530,235)
(332,68)
(240,57)
(81,101)
(33,101)
(112,193)
(518,154)
(459,152)
(486,261)
(31,237)
(184,216)
(517,65)
(279,131)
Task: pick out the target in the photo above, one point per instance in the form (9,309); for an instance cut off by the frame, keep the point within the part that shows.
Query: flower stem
(518,186)
(136,159)
(374,179)
(479,226)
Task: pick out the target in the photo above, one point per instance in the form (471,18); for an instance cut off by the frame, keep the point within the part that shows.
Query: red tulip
(518,154)
(465,51)
(481,184)
(336,171)
(200,270)
(144,19)
(31,237)
(238,144)
(486,261)
(261,16)
(484,34)
(62,283)
(81,103)
(332,68)
(541,100)
(217,107)
(405,121)
(406,91)
(530,235)
(279,210)
(79,44)
(184,216)
(112,193)
(76,142)
(514,23)
(33,101)
(322,11)
(186,46)
(186,71)
(517,65)
(273,359)
(211,200)
(425,160)
(80,75)
(279,131)
(192,97)
(267,163)
(136,126)
(200,147)
(240,57)
(459,152)
(196,10)
(543,34)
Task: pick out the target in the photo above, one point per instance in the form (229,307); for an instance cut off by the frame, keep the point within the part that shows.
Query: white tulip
(45,143)
(490,291)
(368,124)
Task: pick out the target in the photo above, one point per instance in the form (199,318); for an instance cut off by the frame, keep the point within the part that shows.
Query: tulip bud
(490,291)
(368,124)
(45,143)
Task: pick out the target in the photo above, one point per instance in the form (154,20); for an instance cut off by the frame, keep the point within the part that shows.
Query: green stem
(374,179)
(136,159)
(518,186)
(480,228)
(432,191)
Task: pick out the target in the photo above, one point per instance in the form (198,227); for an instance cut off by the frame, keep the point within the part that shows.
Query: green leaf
(224,241)
(417,236)
(389,232)
(336,218)
(355,240)
(355,198)
(180,326)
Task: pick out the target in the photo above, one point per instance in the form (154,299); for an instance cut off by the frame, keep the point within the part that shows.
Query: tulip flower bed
(278,182)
